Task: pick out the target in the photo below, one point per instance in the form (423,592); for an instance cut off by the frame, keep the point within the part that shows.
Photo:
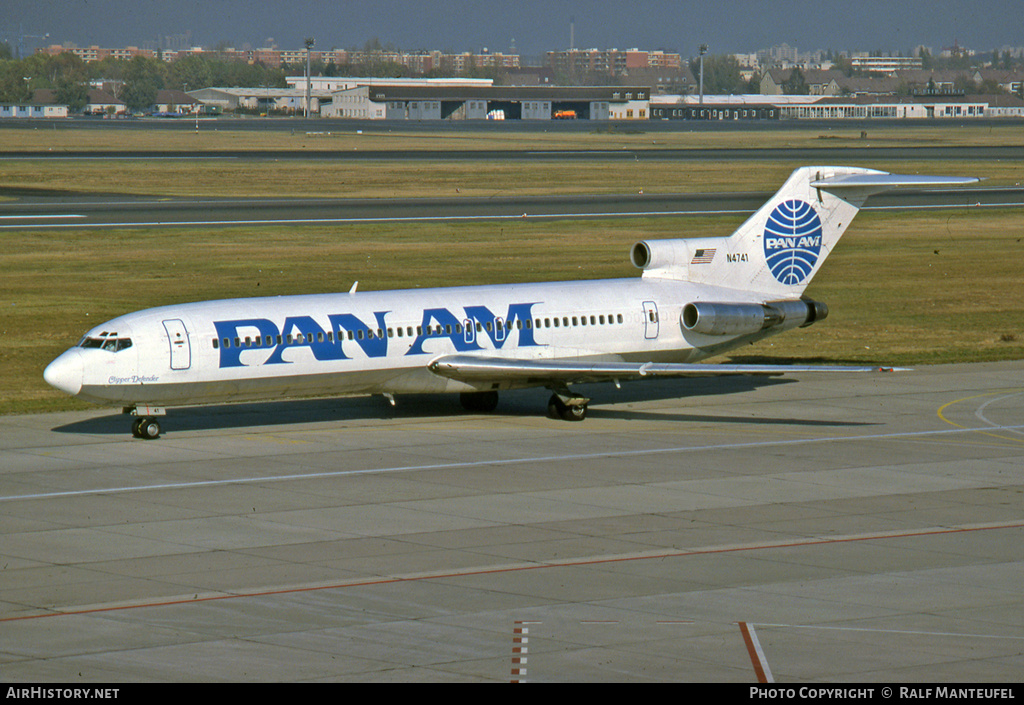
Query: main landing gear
(567,406)
(145,426)
(563,404)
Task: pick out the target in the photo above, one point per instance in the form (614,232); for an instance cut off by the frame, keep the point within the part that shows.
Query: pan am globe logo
(792,241)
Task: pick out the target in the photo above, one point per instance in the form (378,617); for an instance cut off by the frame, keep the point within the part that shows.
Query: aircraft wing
(469,368)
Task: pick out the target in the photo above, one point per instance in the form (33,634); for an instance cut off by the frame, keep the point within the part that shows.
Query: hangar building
(425,102)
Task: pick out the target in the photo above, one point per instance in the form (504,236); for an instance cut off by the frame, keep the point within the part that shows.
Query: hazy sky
(535,25)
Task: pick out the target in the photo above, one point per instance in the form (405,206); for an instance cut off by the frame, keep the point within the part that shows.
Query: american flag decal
(703,256)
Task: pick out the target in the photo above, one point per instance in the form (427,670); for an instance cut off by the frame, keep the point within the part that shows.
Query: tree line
(134,81)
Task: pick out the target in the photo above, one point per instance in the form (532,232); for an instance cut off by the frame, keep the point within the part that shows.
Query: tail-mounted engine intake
(668,257)
(742,319)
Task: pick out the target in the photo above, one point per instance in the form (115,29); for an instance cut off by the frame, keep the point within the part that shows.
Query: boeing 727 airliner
(696,298)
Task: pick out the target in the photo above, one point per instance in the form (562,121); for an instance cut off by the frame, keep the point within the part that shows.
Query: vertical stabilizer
(780,248)
(792,234)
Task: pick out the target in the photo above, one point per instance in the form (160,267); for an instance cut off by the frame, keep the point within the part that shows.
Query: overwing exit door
(650,320)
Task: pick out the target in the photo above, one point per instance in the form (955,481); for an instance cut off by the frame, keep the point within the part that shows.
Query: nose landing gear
(145,426)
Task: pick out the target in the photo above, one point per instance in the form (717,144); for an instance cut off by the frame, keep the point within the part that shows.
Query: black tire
(557,409)
(149,429)
(576,412)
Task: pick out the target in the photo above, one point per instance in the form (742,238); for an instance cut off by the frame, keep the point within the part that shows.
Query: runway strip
(106,214)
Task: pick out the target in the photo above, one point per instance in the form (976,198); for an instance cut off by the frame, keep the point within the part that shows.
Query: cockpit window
(109,344)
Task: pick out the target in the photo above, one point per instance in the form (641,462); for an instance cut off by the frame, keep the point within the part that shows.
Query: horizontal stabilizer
(468,368)
(879,181)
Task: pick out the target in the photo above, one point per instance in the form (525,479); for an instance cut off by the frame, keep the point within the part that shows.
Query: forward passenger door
(181,349)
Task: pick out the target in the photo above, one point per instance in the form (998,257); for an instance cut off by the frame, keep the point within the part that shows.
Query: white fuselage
(378,342)
(697,297)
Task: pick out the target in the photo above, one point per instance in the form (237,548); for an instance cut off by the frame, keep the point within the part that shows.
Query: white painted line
(408,219)
(465,218)
(909,435)
(980,413)
(908,632)
(764,673)
(38,217)
(113,157)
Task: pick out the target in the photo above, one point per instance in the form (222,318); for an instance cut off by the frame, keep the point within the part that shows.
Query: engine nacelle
(671,258)
(711,318)
(656,254)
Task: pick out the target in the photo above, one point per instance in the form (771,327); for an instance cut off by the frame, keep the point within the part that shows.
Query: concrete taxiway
(820,528)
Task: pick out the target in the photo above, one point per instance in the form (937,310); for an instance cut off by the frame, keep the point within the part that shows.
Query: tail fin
(780,248)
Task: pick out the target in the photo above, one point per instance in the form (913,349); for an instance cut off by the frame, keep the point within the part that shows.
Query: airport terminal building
(817,107)
(380,101)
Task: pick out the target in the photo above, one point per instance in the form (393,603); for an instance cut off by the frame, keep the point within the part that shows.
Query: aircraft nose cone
(65,373)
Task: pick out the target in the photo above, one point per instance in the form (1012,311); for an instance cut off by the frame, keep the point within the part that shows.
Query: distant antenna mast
(572,33)
(309,79)
(703,51)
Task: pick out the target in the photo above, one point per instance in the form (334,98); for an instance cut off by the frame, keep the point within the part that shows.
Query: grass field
(903,288)
(436,177)
(340,136)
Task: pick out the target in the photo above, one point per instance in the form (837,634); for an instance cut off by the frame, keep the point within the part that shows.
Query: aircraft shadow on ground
(607,402)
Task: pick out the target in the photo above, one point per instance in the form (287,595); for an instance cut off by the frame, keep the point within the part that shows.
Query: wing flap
(469,368)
